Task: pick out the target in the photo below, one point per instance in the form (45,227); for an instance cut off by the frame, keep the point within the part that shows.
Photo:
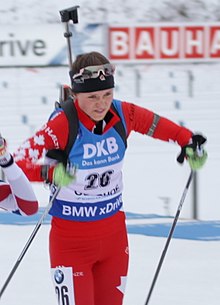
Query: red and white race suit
(88,238)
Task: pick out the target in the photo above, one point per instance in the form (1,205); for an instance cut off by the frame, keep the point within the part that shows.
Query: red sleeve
(167,130)
(53,135)
(137,118)
(141,120)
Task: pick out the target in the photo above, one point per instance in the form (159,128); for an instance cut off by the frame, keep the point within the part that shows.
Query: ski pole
(27,245)
(67,15)
(169,236)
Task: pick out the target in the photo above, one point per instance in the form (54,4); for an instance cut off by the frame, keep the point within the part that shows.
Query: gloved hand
(6,158)
(194,153)
(196,159)
(59,174)
(64,176)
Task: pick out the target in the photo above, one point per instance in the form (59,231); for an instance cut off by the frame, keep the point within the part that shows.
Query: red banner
(165,42)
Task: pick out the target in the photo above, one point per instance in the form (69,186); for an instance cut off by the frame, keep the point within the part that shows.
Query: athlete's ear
(71,93)
(74,95)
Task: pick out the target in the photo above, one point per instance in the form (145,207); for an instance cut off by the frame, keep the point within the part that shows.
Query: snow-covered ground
(189,275)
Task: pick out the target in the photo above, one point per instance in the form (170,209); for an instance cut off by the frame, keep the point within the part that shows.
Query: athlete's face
(95,104)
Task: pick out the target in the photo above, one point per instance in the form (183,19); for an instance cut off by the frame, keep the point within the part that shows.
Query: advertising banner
(164,42)
(30,45)
(45,45)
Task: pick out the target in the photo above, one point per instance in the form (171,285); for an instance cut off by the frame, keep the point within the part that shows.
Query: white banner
(30,45)
(43,45)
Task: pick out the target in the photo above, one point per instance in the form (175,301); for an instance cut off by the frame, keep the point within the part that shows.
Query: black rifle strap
(119,127)
(71,114)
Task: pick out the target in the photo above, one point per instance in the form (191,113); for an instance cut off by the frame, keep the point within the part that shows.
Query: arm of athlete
(147,122)
(52,135)
(16,195)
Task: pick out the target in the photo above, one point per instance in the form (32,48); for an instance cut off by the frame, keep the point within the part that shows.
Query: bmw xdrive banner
(43,45)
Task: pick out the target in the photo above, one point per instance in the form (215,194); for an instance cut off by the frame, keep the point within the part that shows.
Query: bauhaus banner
(164,42)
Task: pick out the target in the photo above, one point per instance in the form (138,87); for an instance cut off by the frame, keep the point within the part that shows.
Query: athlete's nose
(100,102)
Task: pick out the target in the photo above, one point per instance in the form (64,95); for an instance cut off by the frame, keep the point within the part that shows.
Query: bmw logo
(58,276)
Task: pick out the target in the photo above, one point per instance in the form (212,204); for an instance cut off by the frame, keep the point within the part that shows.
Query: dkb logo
(105,148)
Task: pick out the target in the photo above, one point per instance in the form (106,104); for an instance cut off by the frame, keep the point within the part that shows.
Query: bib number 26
(98,180)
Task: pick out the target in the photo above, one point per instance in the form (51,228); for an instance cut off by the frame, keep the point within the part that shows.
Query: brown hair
(88,59)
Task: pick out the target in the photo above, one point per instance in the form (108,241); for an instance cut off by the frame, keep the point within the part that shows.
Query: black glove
(196,145)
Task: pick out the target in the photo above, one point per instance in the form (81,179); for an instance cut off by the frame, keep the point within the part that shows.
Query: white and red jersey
(16,195)
(99,159)
(54,134)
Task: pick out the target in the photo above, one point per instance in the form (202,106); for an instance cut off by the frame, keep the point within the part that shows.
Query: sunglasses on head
(94,71)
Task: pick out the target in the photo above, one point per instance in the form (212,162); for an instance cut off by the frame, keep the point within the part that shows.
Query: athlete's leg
(73,288)
(71,264)
(110,273)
